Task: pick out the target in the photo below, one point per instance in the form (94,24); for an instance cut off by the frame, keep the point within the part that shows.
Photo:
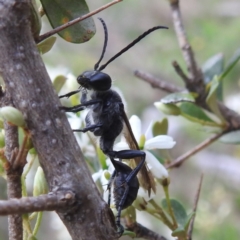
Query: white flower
(158,142)
(78,122)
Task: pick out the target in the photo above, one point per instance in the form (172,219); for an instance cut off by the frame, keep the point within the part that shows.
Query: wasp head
(95,80)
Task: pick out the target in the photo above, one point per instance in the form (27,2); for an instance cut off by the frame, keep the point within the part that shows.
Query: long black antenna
(104,45)
(131,45)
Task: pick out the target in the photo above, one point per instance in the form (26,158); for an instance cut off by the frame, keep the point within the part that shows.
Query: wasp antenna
(138,39)
(104,45)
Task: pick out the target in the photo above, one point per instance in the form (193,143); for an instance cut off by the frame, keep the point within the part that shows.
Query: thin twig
(190,229)
(48,202)
(177,162)
(20,160)
(157,83)
(183,42)
(68,24)
(180,72)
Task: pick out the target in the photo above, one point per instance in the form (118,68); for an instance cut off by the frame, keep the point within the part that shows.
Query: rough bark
(30,88)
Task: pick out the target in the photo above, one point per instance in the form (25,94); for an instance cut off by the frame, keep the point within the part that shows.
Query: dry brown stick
(177,162)
(48,202)
(157,83)
(190,229)
(68,24)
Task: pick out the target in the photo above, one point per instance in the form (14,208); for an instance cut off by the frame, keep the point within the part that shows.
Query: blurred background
(212,27)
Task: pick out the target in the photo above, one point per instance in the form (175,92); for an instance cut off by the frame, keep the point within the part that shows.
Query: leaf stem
(170,210)
(162,214)
(38,222)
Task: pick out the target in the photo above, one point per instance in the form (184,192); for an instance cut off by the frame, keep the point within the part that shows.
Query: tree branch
(179,161)
(14,189)
(48,202)
(194,82)
(157,83)
(31,91)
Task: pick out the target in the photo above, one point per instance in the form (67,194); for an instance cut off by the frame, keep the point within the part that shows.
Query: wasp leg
(80,107)
(86,129)
(69,94)
(109,186)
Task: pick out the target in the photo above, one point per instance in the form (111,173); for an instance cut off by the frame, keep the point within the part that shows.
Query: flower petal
(148,133)
(160,142)
(97,175)
(158,170)
(120,146)
(136,126)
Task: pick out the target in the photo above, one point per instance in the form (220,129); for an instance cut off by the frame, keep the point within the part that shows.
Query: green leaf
(169,109)
(211,99)
(102,158)
(213,66)
(160,127)
(40,184)
(35,19)
(188,220)
(46,45)
(178,97)
(2,139)
(195,114)
(178,210)
(129,233)
(231,63)
(58,82)
(60,12)
(231,138)
(179,232)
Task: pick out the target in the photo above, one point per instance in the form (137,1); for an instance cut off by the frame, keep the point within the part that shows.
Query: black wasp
(106,119)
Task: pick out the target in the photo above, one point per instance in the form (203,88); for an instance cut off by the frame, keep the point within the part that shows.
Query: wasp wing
(145,176)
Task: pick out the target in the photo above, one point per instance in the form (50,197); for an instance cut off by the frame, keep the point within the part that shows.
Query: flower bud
(12,115)
(2,140)
(40,184)
(107,175)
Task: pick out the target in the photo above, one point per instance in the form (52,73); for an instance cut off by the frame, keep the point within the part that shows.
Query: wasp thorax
(95,80)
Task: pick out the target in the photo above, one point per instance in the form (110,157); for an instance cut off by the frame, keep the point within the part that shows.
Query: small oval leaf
(211,99)
(169,109)
(231,63)
(36,22)
(213,66)
(179,232)
(178,97)
(195,114)
(178,210)
(46,45)
(58,82)
(60,12)
(231,138)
